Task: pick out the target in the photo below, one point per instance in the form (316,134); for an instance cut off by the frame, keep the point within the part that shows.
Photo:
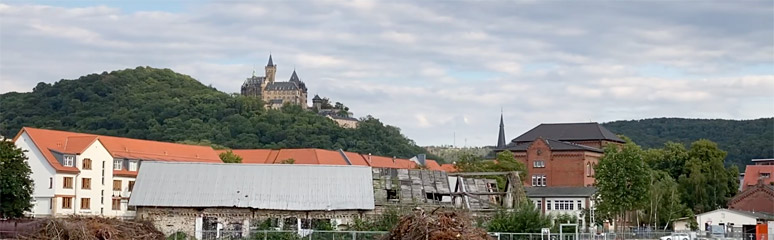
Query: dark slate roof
(294,77)
(501,135)
(281,86)
(568,132)
(271,63)
(316,97)
(560,191)
(254,80)
(554,145)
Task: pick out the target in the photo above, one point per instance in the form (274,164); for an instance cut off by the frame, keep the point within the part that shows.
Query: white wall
(41,174)
(724,216)
(100,201)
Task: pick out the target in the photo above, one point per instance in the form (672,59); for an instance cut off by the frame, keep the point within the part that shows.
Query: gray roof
(281,86)
(568,132)
(260,186)
(271,62)
(554,145)
(756,215)
(254,80)
(501,135)
(560,191)
(294,77)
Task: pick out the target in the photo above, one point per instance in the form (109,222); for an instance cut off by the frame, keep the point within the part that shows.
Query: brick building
(561,155)
(757,190)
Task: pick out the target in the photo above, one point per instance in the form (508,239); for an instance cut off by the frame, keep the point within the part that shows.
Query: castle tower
(271,70)
(317,102)
(501,137)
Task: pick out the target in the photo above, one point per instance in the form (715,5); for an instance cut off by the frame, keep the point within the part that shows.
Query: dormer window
(133,165)
(118,164)
(765,175)
(68,160)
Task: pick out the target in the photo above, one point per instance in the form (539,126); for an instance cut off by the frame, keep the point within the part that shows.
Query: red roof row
(118,147)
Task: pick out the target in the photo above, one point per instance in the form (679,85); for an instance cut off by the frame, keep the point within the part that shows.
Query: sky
(441,71)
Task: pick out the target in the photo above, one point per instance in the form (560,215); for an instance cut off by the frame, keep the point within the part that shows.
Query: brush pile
(443,225)
(92,228)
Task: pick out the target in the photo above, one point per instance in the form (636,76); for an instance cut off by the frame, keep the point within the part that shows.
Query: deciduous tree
(15,183)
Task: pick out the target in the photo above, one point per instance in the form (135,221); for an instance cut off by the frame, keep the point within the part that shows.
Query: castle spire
(501,137)
(271,63)
(294,77)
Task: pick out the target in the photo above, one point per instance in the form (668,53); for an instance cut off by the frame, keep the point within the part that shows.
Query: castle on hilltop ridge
(275,94)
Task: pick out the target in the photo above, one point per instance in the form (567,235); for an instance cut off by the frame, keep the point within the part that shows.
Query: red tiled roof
(448,167)
(753,172)
(433,165)
(251,155)
(118,147)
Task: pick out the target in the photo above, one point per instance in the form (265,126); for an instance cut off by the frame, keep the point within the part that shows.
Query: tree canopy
(742,139)
(159,104)
(15,182)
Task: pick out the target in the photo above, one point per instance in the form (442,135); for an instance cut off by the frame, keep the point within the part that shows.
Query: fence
(372,235)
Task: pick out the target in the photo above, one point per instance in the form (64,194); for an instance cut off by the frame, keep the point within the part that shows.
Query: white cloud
(434,70)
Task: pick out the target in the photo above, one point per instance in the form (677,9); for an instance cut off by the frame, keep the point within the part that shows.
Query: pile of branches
(92,228)
(437,225)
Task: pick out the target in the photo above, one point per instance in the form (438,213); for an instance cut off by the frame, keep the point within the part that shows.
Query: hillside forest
(159,104)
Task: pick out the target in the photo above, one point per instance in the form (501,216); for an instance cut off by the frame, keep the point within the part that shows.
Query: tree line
(159,104)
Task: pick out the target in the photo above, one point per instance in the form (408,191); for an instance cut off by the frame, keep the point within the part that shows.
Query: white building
(87,174)
(730,220)
(562,200)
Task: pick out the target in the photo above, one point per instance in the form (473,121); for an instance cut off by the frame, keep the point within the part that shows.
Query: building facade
(563,200)
(92,175)
(754,198)
(561,155)
(274,93)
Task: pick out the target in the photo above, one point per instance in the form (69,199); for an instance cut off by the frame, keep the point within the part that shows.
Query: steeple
(501,137)
(271,63)
(294,77)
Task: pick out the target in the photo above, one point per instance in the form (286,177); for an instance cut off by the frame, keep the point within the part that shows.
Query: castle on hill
(275,93)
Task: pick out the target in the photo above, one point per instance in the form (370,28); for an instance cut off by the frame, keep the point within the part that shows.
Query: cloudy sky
(435,69)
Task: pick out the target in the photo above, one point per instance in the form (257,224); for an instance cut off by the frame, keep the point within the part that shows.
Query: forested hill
(159,104)
(742,139)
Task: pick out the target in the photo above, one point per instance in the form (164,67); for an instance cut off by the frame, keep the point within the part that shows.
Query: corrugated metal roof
(260,186)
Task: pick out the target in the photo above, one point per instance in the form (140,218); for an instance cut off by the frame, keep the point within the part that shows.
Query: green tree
(230,157)
(664,201)
(706,184)
(15,183)
(622,180)
(525,218)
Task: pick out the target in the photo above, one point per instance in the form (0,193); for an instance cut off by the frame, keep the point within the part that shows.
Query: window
(85,203)
(131,185)
(765,175)
(539,204)
(67,202)
(539,164)
(86,164)
(50,183)
(67,183)
(116,204)
(116,185)
(85,183)
(580,206)
(588,169)
(117,164)
(69,160)
(548,205)
(539,180)
(133,166)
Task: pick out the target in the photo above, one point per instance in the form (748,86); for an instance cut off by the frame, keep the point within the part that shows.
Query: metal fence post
(354,235)
(265,234)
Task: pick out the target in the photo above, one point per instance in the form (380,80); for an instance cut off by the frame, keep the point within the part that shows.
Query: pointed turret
(271,62)
(501,137)
(294,77)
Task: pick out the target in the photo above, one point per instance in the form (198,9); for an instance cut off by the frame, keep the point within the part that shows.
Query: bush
(177,236)
(523,219)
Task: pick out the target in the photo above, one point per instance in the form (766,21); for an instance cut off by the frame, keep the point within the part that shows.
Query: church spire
(271,63)
(501,137)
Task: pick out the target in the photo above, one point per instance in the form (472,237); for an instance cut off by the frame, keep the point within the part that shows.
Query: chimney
(421,158)
(369,159)
(393,159)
